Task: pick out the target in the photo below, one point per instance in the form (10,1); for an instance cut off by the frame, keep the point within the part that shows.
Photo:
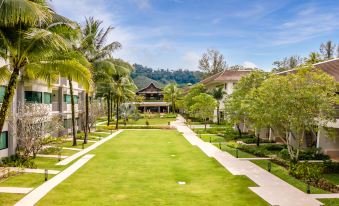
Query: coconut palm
(172,92)
(313,58)
(218,95)
(30,43)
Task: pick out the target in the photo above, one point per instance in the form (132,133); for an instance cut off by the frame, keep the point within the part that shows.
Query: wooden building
(153,100)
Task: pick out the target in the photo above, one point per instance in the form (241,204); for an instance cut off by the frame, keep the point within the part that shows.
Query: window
(67,123)
(67,99)
(2,93)
(47,98)
(33,97)
(4,140)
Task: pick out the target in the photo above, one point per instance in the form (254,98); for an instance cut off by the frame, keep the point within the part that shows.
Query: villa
(153,100)
(58,99)
(225,79)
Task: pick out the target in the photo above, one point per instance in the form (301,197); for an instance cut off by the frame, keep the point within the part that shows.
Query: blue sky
(174,33)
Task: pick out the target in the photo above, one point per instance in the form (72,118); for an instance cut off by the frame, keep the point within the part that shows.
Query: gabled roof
(331,67)
(151,87)
(227,75)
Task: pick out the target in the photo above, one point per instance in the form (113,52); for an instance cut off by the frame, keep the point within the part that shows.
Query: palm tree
(313,58)
(93,45)
(172,93)
(126,110)
(218,95)
(30,42)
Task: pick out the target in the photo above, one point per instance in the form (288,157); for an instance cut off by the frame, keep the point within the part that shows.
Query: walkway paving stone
(86,150)
(38,193)
(15,190)
(271,188)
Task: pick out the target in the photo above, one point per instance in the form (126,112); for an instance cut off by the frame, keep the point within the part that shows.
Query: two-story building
(57,97)
(225,79)
(153,100)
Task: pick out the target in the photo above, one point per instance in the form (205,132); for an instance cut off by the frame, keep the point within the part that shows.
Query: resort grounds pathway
(271,188)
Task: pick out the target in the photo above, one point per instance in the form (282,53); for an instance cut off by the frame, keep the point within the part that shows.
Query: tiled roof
(227,75)
(331,67)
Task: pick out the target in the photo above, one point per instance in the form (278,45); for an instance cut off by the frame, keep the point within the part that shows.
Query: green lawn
(334,178)
(330,202)
(233,152)
(7,199)
(136,168)
(79,144)
(282,173)
(211,137)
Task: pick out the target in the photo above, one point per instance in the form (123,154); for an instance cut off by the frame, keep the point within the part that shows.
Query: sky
(174,34)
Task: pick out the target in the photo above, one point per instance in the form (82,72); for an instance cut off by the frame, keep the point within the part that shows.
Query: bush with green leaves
(17,161)
(305,171)
(170,116)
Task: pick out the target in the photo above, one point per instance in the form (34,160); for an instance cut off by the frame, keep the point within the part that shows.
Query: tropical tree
(203,107)
(239,104)
(31,45)
(193,92)
(212,62)
(296,103)
(172,93)
(313,58)
(126,110)
(327,50)
(218,95)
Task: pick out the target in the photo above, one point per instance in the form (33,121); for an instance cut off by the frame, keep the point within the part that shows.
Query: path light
(46,175)
(210,139)
(219,145)
(236,153)
(59,156)
(269,166)
(83,146)
(308,188)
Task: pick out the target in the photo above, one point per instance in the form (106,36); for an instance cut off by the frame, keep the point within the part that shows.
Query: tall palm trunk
(108,108)
(8,98)
(86,118)
(173,106)
(73,112)
(112,108)
(117,114)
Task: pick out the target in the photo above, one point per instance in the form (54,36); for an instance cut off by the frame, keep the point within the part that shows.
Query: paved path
(51,156)
(84,151)
(15,190)
(28,170)
(271,188)
(38,193)
(70,148)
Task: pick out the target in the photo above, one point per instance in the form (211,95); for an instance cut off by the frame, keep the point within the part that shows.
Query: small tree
(126,110)
(203,107)
(171,94)
(218,95)
(212,62)
(296,103)
(193,92)
(36,128)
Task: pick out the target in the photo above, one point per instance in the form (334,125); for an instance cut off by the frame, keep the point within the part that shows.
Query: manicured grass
(330,202)
(334,178)
(7,199)
(79,144)
(24,180)
(233,152)
(212,138)
(136,168)
(48,163)
(282,173)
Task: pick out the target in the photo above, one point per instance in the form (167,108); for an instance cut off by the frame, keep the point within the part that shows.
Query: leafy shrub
(147,123)
(16,161)
(252,140)
(330,167)
(305,171)
(312,154)
(274,147)
(230,133)
(284,154)
(257,151)
(50,150)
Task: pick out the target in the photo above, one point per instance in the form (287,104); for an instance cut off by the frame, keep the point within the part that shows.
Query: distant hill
(143,75)
(142,82)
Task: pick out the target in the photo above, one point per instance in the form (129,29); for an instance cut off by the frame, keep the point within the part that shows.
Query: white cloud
(191,60)
(142,4)
(250,65)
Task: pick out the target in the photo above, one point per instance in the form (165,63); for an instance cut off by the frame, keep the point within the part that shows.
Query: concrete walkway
(38,193)
(86,150)
(271,188)
(15,190)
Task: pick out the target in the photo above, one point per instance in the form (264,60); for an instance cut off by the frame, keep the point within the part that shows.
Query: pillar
(159,109)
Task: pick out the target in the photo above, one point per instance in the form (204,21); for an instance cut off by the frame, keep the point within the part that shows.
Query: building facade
(226,80)
(153,100)
(56,97)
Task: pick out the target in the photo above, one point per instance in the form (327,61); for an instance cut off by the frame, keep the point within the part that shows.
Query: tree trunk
(218,118)
(117,115)
(173,109)
(112,100)
(108,109)
(239,131)
(86,118)
(205,125)
(8,98)
(73,112)
(258,140)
